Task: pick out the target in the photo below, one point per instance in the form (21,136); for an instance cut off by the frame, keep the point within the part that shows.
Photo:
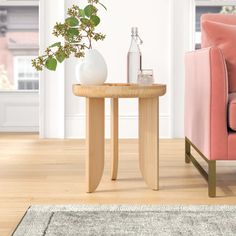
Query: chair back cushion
(229,19)
(220,31)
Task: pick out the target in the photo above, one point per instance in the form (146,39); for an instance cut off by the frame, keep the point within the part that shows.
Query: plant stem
(90,43)
(80,45)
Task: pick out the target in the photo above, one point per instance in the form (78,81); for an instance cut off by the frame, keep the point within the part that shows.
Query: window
(210,6)
(25,77)
(19,26)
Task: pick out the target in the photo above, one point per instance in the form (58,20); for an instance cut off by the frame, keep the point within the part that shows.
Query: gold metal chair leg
(212,178)
(187,151)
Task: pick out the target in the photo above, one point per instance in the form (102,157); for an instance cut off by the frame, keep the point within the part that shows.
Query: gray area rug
(71,220)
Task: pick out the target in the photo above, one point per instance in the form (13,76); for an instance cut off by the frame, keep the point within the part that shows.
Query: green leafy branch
(78,32)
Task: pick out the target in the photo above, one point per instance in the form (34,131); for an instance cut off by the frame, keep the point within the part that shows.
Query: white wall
(52,90)
(154,22)
(182,41)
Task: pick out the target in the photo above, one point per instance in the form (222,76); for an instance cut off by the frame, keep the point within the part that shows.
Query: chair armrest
(206,99)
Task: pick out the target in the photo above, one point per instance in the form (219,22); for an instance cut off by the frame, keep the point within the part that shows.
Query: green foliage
(58,44)
(72,32)
(95,20)
(78,31)
(51,63)
(90,10)
(60,56)
(72,21)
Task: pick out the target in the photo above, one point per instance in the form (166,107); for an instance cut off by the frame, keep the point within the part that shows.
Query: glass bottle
(134,59)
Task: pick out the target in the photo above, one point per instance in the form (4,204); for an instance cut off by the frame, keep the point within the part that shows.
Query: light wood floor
(34,171)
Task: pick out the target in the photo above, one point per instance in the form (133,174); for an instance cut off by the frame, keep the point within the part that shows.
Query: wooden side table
(95,124)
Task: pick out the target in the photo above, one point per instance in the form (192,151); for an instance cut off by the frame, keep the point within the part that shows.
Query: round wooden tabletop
(119,90)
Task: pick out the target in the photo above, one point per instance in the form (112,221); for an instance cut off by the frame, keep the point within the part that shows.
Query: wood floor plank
(36,171)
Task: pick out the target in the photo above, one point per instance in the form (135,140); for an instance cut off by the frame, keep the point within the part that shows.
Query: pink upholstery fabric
(206,98)
(232,111)
(222,36)
(232,146)
(221,18)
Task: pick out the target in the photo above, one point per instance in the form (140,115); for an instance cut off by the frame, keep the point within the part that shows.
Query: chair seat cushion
(232,111)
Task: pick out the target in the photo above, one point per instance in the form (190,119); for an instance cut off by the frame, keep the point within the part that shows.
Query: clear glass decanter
(134,59)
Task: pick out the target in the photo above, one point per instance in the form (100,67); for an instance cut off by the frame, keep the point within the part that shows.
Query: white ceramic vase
(93,69)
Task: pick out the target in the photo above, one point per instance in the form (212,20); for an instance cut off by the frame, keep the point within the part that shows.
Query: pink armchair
(210,102)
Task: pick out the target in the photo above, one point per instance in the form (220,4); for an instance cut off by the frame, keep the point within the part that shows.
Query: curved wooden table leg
(114,138)
(149,141)
(95,142)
